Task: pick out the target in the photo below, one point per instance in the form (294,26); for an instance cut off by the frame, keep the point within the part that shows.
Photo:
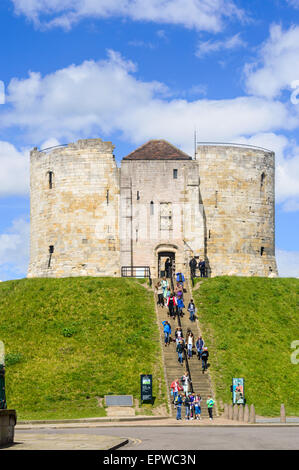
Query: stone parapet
(8,420)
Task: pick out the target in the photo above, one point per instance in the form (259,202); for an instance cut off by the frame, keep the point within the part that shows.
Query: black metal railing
(185,352)
(137,271)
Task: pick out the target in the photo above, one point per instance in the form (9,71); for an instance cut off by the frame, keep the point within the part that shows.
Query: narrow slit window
(50,176)
(216,199)
(51,251)
(152,208)
(263,177)
(138,196)
(262,250)
(136,235)
(107,196)
(175,174)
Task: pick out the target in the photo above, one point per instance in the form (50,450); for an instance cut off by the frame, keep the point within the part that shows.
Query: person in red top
(171,303)
(176,388)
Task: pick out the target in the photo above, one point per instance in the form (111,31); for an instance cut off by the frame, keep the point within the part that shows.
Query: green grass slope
(69,342)
(249,325)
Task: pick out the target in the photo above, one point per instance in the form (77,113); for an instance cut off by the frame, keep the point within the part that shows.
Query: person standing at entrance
(193,265)
(168,267)
(202,268)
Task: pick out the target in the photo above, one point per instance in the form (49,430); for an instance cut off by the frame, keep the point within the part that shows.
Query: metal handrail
(54,147)
(128,271)
(185,352)
(234,144)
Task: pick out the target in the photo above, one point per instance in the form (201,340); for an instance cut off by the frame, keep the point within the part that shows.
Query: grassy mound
(69,342)
(249,325)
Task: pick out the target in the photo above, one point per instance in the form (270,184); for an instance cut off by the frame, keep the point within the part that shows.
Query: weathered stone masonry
(95,217)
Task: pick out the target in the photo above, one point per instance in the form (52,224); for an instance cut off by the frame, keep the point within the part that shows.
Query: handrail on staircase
(185,352)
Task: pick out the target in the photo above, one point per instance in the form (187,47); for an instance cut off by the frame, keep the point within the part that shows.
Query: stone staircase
(174,370)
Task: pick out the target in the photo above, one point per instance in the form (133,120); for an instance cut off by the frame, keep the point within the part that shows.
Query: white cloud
(14,248)
(103,97)
(277,66)
(206,47)
(288,263)
(100,98)
(205,15)
(293,3)
(14,174)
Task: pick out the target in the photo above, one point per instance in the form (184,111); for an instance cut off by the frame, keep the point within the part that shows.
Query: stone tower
(237,191)
(74,211)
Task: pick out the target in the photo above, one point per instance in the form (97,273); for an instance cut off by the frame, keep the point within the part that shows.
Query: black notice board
(146,383)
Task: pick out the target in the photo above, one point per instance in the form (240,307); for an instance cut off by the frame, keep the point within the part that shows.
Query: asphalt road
(191,438)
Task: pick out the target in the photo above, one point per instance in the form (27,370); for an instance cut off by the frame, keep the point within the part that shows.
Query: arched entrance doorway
(163,256)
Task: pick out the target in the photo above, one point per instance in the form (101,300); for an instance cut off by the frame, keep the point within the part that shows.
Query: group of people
(191,401)
(201,266)
(174,300)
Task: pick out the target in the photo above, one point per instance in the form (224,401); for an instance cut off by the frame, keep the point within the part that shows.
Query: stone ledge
(8,420)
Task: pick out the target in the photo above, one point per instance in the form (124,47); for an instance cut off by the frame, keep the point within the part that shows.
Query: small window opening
(138,196)
(50,175)
(263,177)
(152,208)
(175,174)
(51,251)
(209,233)
(107,196)
(262,250)
(216,199)
(136,235)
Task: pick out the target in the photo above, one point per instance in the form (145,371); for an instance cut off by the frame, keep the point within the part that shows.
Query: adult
(180,278)
(165,287)
(178,334)
(210,404)
(180,306)
(180,350)
(199,346)
(171,304)
(176,388)
(159,290)
(167,332)
(204,359)
(187,407)
(168,267)
(190,344)
(185,381)
(202,268)
(178,402)
(193,265)
(192,310)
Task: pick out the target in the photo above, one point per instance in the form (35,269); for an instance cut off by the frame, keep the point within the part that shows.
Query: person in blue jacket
(199,346)
(178,402)
(167,332)
(180,278)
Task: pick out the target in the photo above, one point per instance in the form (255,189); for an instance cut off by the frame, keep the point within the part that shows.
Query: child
(197,406)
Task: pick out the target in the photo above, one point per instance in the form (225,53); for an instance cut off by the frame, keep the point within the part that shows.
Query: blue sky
(128,71)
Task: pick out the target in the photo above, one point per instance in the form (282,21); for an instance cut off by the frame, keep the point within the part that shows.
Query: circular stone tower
(74,211)
(237,191)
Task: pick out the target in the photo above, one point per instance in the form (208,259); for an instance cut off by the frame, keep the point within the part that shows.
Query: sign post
(238,391)
(146,383)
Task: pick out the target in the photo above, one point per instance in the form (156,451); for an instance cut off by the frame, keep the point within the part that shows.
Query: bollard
(246,414)
(282,414)
(230,411)
(252,414)
(225,411)
(235,413)
(241,413)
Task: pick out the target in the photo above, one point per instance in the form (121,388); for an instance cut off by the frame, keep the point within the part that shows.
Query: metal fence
(137,271)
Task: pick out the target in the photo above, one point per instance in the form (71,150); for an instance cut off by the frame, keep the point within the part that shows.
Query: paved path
(182,437)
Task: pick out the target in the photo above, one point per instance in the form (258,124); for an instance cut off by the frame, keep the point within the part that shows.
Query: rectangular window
(175,174)
(138,196)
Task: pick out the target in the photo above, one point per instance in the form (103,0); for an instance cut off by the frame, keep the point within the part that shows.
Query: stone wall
(8,419)
(75,208)
(160,213)
(237,191)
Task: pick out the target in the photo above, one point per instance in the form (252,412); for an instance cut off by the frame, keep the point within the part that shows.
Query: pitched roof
(157,150)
